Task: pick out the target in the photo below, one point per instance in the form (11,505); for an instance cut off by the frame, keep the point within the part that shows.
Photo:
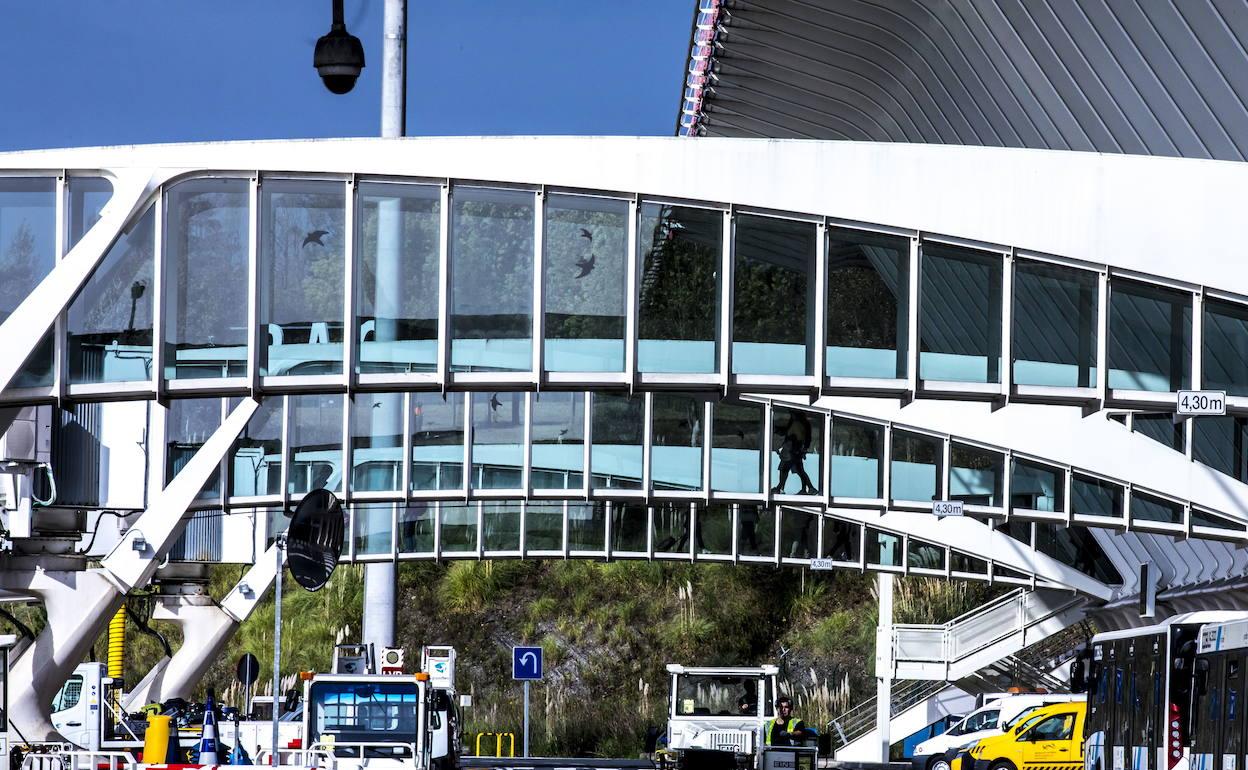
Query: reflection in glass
(459,527)
(617,432)
(586,266)
(868,297)
(923,555)
(756,528)
(676,463)
(773,312)
(316,443)
(714,525)
(587,527)
(497,440)
(976,476)
(188,424)
(302,237)
(491,280)
(1225,359)
(857,452)
(1096,497)
(1219,443)
(1036,487)
(960,320)
(799,534)
(671,529)
(377,442)
(110,320)
(87,197)
(256,461)
(915,469)
(629,522)
(416,527)
(1076,547)
(206,245)
(1161,428)
(883,548)
(27,254)
(1148,508)
(558,440)
(968,564)
(543,527)
(737,448)
(373,527)
(1150,337)
(841,540)
(1055,312)
(397,281)
(437,425)
(678,309)
(797,449)
(502,525)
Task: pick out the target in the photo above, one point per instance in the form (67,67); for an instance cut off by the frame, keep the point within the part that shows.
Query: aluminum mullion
(539,281)
(1102,337)
(1068,484)
(256,338)
(567,512)
(820,519)
(157,430)
(694,514)
(725,300)
(1007,474)
(350,329)
(609,509)
(736,533)
(287,455)
(348,404)
(467,480)
(765,481)
(912,321)
(526,469)
(650,532)
(1006,372)
(480,504)
(156,377)
(444,286)
(777,521)
(524,529)
(819,338)
(405,461)
(886,470)
(631,300)
(587,448)
(60,361)
(945,473)
(437,529)
(1197,377)
(647,444)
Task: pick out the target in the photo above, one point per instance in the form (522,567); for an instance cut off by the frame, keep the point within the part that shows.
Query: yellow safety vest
(788,727)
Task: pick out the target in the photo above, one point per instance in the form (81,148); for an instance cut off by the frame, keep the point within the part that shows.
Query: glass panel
(459,527)
(925,556)
(502,526)
(316,443)
(1225,358)
(715,526)
(87,197)
(1204,519)
(676,461)
(302,229)
(883,548)
(377,442)
(1054,340)
(1036,487)
(491,280)
(188,425)
(1161,428)
(416,527)
(799,534)
(857,452)
(256,461)
(616,454)
(1019,530)
(737,448)
(671,529)
(373,526)
(558,440)
(1005,573)
(756,531)
(842,540)
(977,476)
(797,444)
(773,310)
(915,470)
(629,522)
(398,281)
(1219,443)
(960,319)
(1150,337)
(678,309)
(586,267)
(1148,508)
(27,254)
(110,320)
(868,297)
(543,527)
(969,564)
(437,441)
(1095,497)
(587,526)
(207,222)
(1076,547)
(497,440)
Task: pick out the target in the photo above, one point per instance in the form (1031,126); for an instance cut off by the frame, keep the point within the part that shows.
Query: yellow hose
(117,644)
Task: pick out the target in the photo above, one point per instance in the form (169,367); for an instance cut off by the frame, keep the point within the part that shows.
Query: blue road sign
(526,663)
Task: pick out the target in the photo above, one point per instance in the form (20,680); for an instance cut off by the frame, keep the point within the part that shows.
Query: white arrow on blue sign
(526,662)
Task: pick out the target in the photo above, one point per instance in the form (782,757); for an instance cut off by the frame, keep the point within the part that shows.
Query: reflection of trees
(855,440)
(775,260)
(208,247)
(679,284)
(20,272)
(591,307)
(102,310)
(492,286)
(618,419)
(304,282)
(415,298)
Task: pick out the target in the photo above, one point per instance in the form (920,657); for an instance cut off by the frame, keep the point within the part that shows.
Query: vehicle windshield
(980,720)
(1033,716)
(722,695)
(1024,715)
(363,712)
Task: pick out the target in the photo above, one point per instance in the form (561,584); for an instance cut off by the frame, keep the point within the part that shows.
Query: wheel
(1001,764)
(938,762)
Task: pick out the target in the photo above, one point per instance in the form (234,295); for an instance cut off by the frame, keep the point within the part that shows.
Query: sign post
(526,666)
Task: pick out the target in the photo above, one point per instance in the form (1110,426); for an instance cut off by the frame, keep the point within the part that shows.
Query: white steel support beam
(884,663)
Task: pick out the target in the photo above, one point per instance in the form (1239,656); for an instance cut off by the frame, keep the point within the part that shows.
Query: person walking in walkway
(793,448)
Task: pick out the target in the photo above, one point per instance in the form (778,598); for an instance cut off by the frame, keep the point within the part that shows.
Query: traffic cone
(208,738)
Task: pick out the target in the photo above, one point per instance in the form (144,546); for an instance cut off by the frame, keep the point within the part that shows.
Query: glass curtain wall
(437,426)
(915,469)
(377,442)
(773,310)
(1055,312)
(207,224)
(1036,487)
(857,459)
(1219,443)
(558,438)
(585,283)
(617,435)
(397,278)
(678,304)
(677,436)
(1225,359)
(1150,337)
(960,322)
(256,461)
(498,440)
(976,476)
(867,304)
(797,452)
(315,443)
(737,448)
(27,254)
(188,424)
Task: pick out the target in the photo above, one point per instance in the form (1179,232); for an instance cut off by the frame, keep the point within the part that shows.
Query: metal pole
(277,642)
(884,664)
(526,718)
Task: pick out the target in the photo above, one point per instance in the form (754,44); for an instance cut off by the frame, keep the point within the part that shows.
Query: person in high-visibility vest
(785,729)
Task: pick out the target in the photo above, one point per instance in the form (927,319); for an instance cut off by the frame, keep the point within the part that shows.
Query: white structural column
(884,662)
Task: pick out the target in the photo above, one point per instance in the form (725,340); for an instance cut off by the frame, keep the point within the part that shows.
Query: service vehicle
(1218,732)
(1049,738)
(998,711)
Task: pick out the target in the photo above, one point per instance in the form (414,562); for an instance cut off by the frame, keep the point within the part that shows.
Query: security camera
(339,56)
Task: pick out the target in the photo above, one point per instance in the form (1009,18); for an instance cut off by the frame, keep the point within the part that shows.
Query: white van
(998,712)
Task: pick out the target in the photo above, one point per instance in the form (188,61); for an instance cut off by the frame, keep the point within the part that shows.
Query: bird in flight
(586,265)
(315,237)
(586,234)
(494,402)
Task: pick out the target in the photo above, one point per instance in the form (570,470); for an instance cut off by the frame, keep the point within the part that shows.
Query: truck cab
(358,720)
(716,715)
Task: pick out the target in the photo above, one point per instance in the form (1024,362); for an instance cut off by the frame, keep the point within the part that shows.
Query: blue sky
(81,72)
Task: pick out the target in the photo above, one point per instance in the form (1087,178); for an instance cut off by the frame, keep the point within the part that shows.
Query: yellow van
(1049,738)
